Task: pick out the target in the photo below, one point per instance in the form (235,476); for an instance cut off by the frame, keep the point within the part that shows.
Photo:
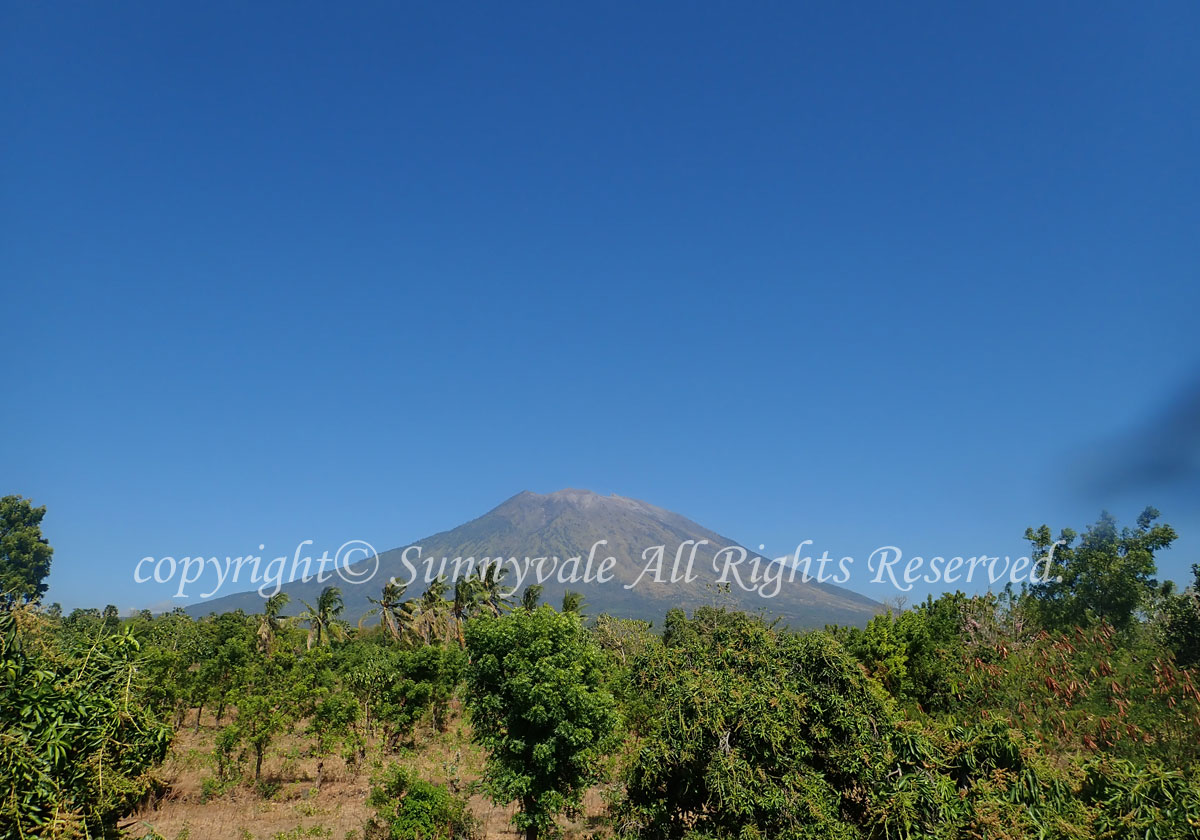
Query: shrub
(76,744)
(755,731)
(409,808)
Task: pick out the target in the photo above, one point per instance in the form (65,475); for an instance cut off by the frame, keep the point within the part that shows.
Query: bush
(211,789)
(1146,801)
(76,745)
(268,788)
(409,808)
(755,731)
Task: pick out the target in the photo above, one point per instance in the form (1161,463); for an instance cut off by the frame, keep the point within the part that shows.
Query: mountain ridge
(569,523)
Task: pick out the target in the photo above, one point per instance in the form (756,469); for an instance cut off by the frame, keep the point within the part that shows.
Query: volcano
(634,560)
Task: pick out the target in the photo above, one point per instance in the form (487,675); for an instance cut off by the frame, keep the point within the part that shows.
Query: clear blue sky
(859,273)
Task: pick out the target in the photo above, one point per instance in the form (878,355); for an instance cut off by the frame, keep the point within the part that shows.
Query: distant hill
(567,524)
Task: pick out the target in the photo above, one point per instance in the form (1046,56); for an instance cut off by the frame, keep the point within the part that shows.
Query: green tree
(396,687)
(531,596)
(467,593)
(882,649)
(219,661)
(573,602)
(756,733)
(390,608)
(323,622)
(268,624)
(367,670)
(24,553)
(491,589)
(272,694)
(435,672)
(172,644)
(1108,576)
(623,638)
(534,688)
(332,722)
(917,655)
(77,741)
(222,673)
(430,619)
(1181,622)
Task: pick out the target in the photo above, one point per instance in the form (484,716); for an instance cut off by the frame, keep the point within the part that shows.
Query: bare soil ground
(297,809)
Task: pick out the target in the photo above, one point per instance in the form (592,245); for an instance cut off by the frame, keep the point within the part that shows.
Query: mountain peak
(566,494)
(572,494)
(580,499)
(575,523)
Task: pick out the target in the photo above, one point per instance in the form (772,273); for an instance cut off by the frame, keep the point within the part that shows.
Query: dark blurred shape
(1163,454)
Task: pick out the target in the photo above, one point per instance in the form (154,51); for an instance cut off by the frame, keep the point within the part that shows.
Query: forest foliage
(1069,710)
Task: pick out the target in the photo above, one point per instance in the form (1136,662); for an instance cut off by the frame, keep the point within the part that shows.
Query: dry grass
(339,809)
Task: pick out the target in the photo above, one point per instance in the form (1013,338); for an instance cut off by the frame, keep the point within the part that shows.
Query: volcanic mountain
(567,524)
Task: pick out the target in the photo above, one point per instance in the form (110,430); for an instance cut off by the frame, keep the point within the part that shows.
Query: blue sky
(854,273)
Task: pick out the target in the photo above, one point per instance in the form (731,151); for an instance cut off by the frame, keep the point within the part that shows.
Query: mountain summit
(575,523)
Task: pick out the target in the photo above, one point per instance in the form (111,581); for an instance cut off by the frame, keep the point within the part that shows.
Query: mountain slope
(567,524)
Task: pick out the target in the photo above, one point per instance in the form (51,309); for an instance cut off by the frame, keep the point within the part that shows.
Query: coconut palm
(431,609)
(323,622)
(389,607)
(531,596)
(434,595)
(573,602)
(466,598)
(491,589)
(268,622)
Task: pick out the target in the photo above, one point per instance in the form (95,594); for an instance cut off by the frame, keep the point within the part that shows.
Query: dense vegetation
(1071,710)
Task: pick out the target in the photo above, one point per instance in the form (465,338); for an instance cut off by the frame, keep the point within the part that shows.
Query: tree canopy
(538,706)
(1108,575)
(24,552)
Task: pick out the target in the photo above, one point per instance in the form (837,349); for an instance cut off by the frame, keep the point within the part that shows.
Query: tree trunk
(258,757)
(199,711)
(527,808)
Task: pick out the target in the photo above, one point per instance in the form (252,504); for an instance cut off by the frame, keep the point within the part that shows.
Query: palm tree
(323,623)
(573,602)
(466,597)
(268,623)
(434,595)
(390,608)
(430,609)
(531,596)
(407,616)
(491,588)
